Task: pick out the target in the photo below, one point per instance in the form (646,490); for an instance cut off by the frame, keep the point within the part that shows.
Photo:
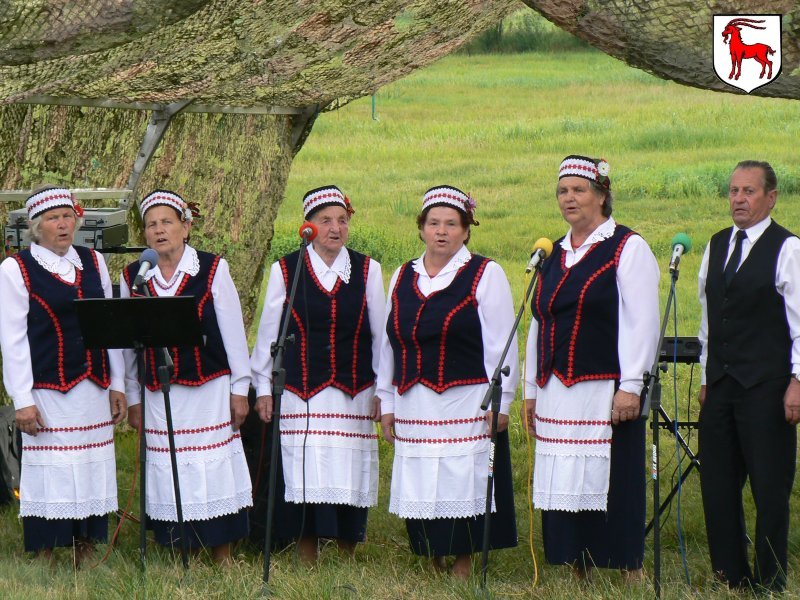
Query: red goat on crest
(740,50)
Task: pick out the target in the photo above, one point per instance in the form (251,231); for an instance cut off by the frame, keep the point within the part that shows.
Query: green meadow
(496,126)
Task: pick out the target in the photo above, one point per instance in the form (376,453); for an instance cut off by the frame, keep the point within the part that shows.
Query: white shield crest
(747,49)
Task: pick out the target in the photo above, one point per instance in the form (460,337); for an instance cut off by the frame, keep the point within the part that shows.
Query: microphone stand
(277,350)
(164,372)
(492,398)
(651,402)
(142,460)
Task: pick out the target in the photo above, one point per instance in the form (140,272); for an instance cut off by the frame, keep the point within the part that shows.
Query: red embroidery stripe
(445,422)
(348,434)
(473,438)
(197,448)
(76,428)
(191,430)
(68,448)
(326,416)
(539,438)
(579,167)
(319,197)
(570,421)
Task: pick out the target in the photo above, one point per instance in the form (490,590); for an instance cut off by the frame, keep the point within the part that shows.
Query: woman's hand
(502,421)
(264,408)
(239,410)
(135,416)
(376,409)
(29,420)
(527,413)
(624,407)
(387,426)
(119,406)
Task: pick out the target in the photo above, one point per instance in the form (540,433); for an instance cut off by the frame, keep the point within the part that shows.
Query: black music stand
(140,323)
(685,350)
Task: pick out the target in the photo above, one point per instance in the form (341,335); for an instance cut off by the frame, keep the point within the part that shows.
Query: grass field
(496,126)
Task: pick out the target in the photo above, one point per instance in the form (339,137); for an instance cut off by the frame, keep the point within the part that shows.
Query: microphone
(681,244)
(542,248)
(308,231)
(146,261)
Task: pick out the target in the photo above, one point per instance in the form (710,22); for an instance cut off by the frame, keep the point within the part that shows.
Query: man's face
(749,202)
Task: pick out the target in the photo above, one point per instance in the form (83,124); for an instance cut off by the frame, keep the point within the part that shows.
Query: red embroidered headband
(593,169)
(166,198)
(451,196)
(328,195)
(49,199)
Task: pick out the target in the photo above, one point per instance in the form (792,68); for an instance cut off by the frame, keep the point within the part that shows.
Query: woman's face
(164,231)
(581,205)
(57,228)
(443,232)
(333,229)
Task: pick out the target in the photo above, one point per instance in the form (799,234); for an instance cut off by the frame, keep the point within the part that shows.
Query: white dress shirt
(787,278)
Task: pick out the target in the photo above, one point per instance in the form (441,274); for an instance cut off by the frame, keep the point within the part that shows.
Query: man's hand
(264,408)
(29,420)
(701,396)
(791,402)
(119,407)
(239,410)
(624,407)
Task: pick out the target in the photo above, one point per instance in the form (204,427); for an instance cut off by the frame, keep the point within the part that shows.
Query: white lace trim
(459,259)
(570,502)
(344,274)
(189,264)
(51,261)
(441,509)
(201,512)
(333,496)
(72,510)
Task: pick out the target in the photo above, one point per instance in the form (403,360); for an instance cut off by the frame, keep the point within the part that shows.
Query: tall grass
(497,126)
(524,31)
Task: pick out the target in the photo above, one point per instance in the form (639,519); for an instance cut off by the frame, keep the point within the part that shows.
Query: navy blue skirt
(202,534)
(41,534)
(446,537)
(613,539)
(339,521)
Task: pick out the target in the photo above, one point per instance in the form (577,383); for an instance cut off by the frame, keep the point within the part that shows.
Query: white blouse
(496,314)
(268,329)
(227,308)
(637,285)
(14,299)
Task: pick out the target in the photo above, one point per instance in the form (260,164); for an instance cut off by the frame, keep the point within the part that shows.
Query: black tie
(736,257)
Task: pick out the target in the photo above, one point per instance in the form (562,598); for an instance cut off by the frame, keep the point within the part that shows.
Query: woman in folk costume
(67,398)
(594,334)
(329,448)
(449,315)
(208,391)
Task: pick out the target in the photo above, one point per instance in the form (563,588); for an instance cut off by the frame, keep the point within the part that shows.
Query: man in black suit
(749,288)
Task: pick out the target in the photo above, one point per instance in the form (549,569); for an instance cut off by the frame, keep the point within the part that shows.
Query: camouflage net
(226,52)
(672,39)
(222,53)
